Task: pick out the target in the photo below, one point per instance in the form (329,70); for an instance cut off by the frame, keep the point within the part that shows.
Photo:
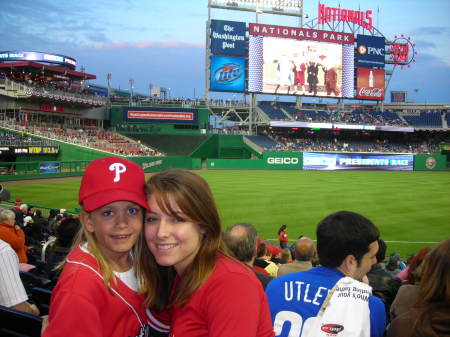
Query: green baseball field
(411,209)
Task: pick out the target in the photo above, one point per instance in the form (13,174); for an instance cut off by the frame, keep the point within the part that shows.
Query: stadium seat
(41,297)
(31,281)
(19,324)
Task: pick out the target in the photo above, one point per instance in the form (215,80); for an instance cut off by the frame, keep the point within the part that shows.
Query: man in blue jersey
(330,300)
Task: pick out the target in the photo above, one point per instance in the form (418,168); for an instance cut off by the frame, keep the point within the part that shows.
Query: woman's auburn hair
(193,196)
(434,288)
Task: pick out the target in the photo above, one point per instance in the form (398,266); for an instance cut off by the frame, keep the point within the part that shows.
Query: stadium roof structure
(34,67)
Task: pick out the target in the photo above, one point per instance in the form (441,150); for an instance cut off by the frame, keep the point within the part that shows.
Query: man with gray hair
(241,239)
(13,234)
(304,251)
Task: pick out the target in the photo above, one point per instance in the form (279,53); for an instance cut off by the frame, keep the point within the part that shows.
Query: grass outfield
(411,207)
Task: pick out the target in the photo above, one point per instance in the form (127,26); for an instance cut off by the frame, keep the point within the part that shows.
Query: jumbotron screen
(287,66)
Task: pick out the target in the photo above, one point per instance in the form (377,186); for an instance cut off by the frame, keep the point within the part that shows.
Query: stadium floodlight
(283,7)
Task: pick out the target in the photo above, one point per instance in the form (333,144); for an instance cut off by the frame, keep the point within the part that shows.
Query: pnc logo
(228,73)
(281,161)
(333,329)
(375,51)
(364,50)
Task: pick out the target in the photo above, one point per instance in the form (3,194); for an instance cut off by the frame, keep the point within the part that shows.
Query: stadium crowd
(39,86)
(342,281)
(87,135)
(356,141)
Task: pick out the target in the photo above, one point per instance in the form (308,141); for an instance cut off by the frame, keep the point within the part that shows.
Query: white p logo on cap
(119,168)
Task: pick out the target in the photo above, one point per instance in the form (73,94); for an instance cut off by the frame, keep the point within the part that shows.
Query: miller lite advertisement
(227,74)
(370,84)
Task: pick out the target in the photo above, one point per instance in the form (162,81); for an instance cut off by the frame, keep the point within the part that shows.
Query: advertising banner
(38,56)
(228,38)
(357,161)
(370,51)
(50,167)
(160,115)
(35,149)
(370,84)
(227,74)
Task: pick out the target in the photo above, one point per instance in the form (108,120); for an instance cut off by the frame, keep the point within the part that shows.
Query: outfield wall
(430,162)
(269,161)
(60,169)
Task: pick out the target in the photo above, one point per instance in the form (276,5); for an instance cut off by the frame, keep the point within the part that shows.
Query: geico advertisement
(282,161)
(357,161)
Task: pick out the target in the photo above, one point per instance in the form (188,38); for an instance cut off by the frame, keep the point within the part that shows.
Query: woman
(282,236)
(409,293)
(211,294)
(430,317)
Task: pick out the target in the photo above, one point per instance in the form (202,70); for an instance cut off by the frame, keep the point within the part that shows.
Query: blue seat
(41,297)
(19,324)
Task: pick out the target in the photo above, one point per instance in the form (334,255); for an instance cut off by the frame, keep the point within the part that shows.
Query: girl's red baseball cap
(111,179)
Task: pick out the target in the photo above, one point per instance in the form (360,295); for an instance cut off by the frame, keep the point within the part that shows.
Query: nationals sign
(361,18)
(300,33)
(370,84)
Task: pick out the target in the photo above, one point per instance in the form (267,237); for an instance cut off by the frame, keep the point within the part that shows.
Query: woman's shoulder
(228,268)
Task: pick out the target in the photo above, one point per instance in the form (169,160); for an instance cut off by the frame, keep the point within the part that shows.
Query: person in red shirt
(212,294)
(97,293)
(282,236)
(13,234)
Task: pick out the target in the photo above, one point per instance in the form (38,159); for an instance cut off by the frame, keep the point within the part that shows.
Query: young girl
(96,294)
(282,236)
(212,294)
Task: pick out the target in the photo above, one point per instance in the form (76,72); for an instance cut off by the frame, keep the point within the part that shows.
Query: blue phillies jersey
(295,297)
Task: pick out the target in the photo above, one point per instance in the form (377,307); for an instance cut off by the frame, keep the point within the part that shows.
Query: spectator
(332,293)
(212,294)
(65,236)
(97,292)
(430,316)
(392,267)
(304,251)
(286,256)
(413,274)
(282,236)
(12,291)
(241,239)
(383,284)
(21,213)
(52,220)
(263,259)
(40,226)
(13,234)
(409,294)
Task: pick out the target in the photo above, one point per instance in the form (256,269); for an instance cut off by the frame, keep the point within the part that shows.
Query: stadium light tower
(279,7)
(131,81)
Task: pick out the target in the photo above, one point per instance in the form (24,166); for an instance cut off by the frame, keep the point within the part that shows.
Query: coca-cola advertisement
(370,84)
